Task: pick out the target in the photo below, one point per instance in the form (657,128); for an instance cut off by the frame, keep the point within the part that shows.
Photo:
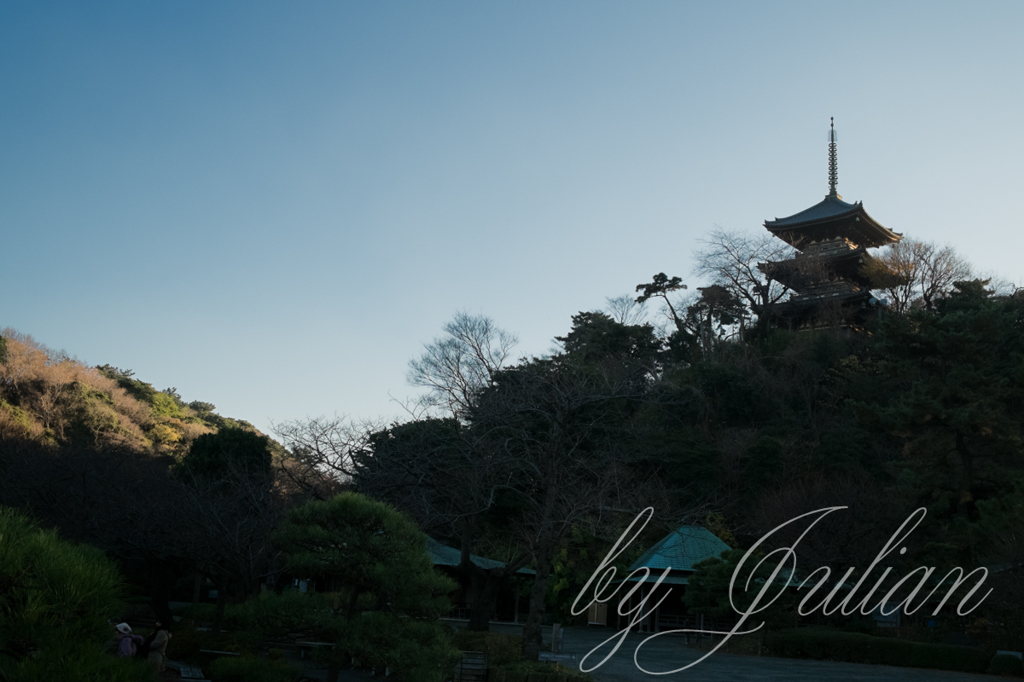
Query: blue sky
(272,206)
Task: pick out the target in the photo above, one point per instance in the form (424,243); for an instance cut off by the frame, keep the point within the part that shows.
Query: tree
(320,452)
(326,453)
(730,260)
(55,599)
(625,310)
(387,595)
(541,450)
(660,287)
(614,349)
(557,425)
(229,450)
(708,317)
(957,383)
(225,493)
(455,366)
(926,273)
(443,475)
(708,590)
(1002,529)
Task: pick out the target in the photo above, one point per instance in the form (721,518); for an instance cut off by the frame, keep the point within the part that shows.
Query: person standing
(158,646)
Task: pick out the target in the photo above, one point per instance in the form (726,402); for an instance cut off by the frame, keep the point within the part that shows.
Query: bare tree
(926,272)
(230,520)
(456,365)
(625,310)
(730,260)
(320,452)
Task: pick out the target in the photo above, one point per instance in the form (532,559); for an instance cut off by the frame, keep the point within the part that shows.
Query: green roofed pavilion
(678,551)
(681,549)
(442,555)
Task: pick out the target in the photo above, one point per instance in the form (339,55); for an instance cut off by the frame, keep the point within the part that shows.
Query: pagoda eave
(803,307)
(857,226)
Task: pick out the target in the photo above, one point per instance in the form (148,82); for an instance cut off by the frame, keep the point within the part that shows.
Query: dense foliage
(55,599)
(379,597)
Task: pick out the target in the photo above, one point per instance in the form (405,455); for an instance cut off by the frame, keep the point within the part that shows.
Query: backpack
(132,646)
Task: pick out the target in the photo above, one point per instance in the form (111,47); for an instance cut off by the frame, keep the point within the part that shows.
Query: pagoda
(832,273)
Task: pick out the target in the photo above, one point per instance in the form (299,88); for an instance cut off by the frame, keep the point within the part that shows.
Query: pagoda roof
(829,219)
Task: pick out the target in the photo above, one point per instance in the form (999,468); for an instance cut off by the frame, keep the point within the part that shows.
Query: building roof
(681,549)
(443,555)
(653,578)
(831,218)
(830,207)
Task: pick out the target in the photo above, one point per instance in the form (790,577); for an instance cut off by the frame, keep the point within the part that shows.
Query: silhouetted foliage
(214,455)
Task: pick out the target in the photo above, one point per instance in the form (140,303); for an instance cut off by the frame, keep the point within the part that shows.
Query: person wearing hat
(127,643)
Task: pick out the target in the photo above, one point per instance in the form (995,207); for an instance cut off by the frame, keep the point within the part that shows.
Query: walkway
(669,653)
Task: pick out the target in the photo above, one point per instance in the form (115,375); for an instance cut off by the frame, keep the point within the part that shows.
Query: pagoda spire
(833,162)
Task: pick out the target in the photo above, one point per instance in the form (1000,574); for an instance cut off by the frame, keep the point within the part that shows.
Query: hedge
(499,648)
(1005,664)
(858,648)
(536,671)
(251,669)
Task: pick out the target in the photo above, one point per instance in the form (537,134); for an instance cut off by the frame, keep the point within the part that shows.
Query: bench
(191,672)
(472,667)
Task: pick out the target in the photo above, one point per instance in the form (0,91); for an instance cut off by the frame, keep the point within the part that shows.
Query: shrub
(1005,664)
(536,671)
(275,615)
(86,664)
(55,598)
(198,612)
(186,643)
(500,648)
(858,648)
(391,597)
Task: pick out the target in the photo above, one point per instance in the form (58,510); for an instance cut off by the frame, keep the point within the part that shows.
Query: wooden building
(832,274)
(510,603)
(679,551)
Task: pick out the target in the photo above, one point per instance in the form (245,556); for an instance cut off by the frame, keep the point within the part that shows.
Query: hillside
(50,399)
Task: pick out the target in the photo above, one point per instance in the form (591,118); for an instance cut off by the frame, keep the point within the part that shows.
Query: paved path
(669,653)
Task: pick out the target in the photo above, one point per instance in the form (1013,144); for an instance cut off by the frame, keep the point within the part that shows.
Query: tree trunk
(197,588)
(967,459)
(161,583)
(480,584)
(532,631)
(484,586)
(222,600)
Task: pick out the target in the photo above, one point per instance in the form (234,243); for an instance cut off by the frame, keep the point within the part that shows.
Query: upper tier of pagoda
(830,219)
